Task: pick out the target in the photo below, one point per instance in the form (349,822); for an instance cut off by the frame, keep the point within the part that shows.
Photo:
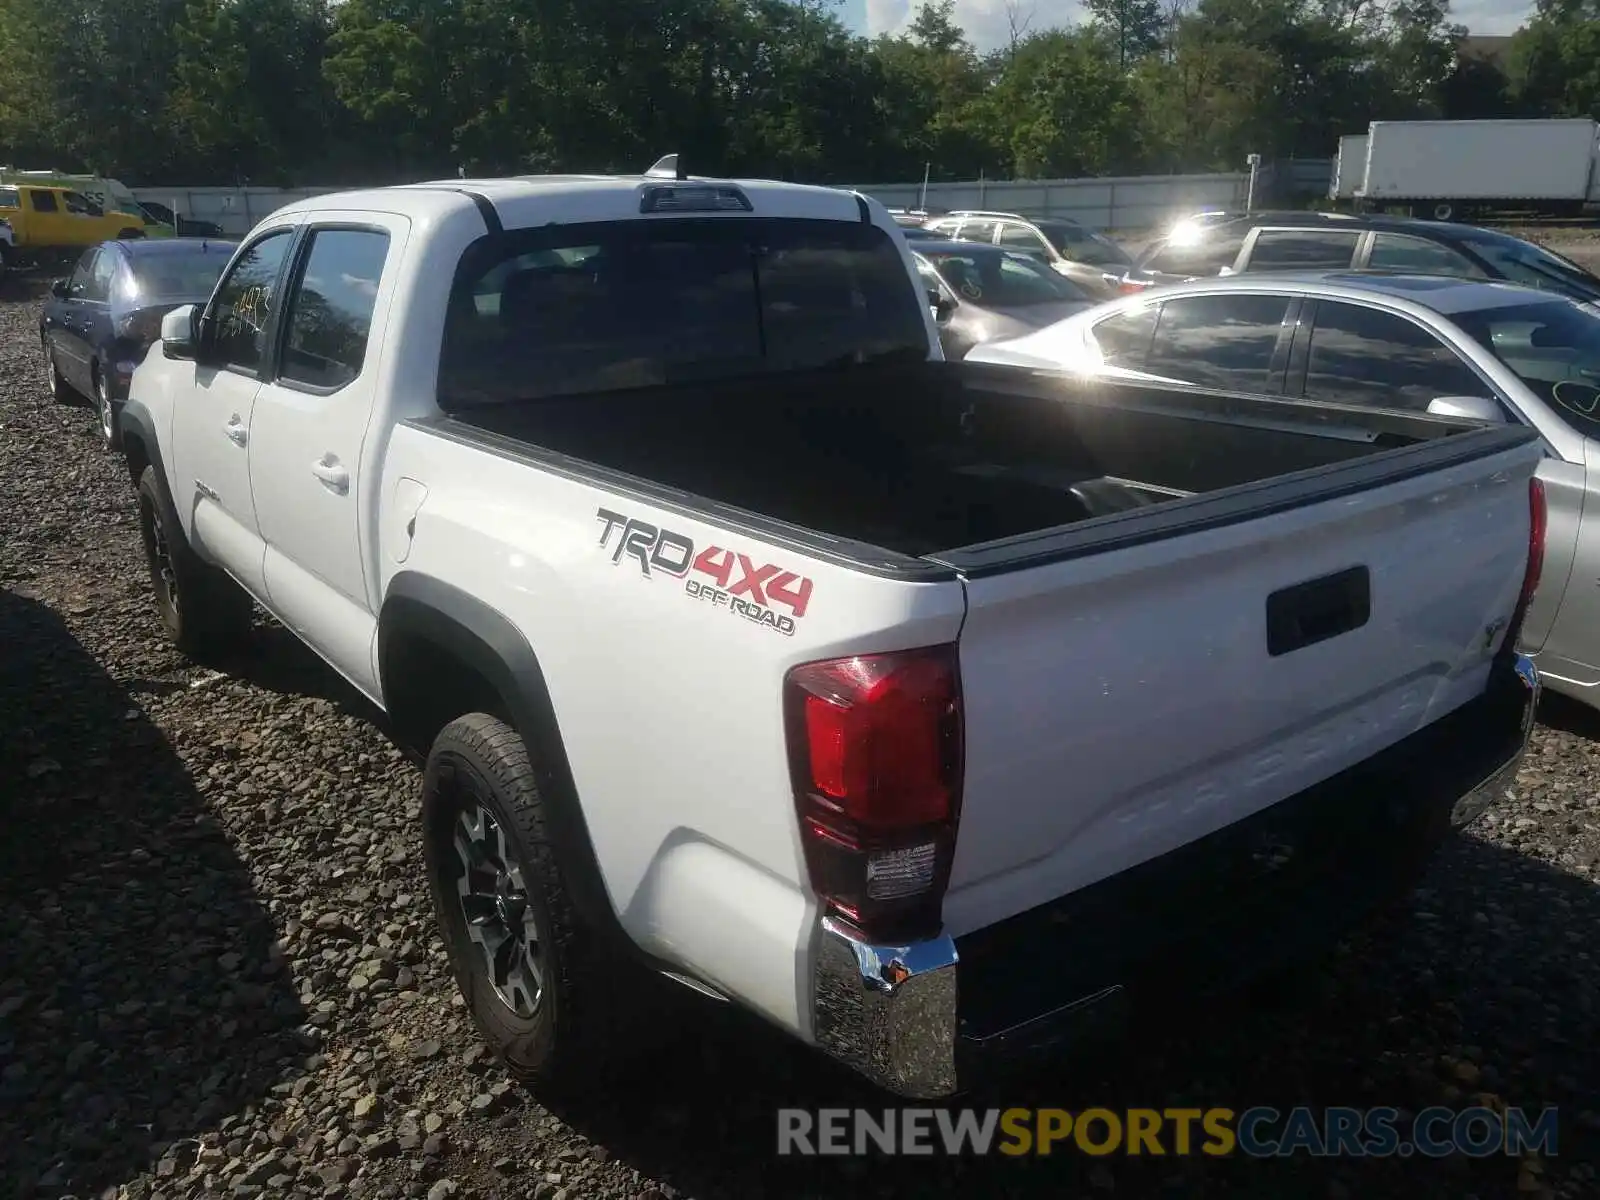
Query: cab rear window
(565,310)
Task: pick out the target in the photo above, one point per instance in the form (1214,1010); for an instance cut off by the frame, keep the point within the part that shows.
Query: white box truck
(1349,167)
(1449,169)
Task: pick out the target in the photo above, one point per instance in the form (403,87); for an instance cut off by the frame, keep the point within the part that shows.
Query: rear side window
(1205,254)
(1396,252)
(330,311)
(1302,250)
(977,230)
(105,270)
(44,201)
(1124,339)
(1223,342)
(1020,237)
(585,308)
(1369,357)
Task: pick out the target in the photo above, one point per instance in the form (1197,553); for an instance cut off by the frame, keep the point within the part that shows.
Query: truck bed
(930,459)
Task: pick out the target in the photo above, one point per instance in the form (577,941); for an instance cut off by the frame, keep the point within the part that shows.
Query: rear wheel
(205,613)
(60,390)
(539,989)
(106,412)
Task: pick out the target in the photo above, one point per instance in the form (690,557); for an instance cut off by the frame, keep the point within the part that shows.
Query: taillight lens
(142,326)
(875,751)
(1538,520)
(1131,287)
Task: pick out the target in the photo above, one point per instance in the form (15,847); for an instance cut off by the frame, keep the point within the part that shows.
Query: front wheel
(205,613)
(538,989)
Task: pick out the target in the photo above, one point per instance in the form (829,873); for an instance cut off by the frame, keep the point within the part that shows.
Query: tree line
(312,91)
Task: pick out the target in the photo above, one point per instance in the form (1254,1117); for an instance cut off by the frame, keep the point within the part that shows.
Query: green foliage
(344,91)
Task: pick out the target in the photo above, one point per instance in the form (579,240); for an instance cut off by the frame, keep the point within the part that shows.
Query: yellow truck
(53,223)
(110,194)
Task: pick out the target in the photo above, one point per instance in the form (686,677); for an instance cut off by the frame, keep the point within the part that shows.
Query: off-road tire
(587,1013)
(205,613)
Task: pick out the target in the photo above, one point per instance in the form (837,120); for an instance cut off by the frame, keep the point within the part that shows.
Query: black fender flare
(484,640)
(137,421)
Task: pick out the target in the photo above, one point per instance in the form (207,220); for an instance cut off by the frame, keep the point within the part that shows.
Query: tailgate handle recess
(1317,610)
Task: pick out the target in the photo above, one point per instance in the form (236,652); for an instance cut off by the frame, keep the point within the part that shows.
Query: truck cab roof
(522,201)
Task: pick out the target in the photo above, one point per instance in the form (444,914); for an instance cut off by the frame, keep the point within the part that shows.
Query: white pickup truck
(930,711)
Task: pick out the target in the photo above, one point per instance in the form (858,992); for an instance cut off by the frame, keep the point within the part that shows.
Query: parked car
(55,224)
(914,218)
(1303,241)
(753,647)
(1090,259)
(97,322)
(1489,351)
(983,292)
(185,226)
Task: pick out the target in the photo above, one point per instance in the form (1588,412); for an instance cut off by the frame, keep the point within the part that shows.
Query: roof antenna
(667,167)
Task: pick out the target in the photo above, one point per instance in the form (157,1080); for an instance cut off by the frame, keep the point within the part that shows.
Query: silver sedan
(1454,347)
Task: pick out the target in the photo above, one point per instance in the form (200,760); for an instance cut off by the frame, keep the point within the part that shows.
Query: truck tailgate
(1123,703)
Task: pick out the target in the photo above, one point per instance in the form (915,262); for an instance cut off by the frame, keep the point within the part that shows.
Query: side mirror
(59,289)
(179,332)
(1471,408)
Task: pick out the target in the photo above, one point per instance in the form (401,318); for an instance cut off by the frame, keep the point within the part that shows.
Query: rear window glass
(565,310)
(175,275)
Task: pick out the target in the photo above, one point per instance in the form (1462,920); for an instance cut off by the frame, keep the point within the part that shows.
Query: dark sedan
(980,293)
(98,322)
(1248,243)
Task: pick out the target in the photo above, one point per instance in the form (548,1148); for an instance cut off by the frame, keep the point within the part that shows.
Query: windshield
(178,274)
(1553,346)
(1000,280)
(565,310)
(8,197)
(1533,265)
(1086,246)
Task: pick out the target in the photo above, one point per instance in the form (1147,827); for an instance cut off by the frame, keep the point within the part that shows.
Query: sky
(987,26)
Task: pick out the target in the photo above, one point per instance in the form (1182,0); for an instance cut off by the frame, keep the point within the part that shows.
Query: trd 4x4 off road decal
(723,578)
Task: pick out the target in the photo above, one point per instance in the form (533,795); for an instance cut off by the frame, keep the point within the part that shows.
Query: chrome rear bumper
(894,1014)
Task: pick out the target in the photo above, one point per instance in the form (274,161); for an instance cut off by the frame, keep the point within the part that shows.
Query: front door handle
(332,473)
(235,430)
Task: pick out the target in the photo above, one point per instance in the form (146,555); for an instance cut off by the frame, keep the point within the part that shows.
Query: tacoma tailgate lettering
(732,580)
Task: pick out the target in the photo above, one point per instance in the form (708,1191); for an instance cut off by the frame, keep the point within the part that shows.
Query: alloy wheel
(493,893)
(102,400)
(160,549)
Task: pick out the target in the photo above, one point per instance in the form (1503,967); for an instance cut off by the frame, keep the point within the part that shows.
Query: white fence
(1132,202)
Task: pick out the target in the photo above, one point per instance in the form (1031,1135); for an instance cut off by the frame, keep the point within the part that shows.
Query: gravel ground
(219,974)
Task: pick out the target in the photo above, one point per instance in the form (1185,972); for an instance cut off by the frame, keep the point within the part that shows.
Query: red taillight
(875,750)
(1538,519)
(1131,287)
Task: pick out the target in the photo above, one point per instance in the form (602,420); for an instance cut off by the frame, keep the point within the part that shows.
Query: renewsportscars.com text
(1258,1132)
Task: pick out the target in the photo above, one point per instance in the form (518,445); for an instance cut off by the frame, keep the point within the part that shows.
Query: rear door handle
(332,473)
(236,431)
